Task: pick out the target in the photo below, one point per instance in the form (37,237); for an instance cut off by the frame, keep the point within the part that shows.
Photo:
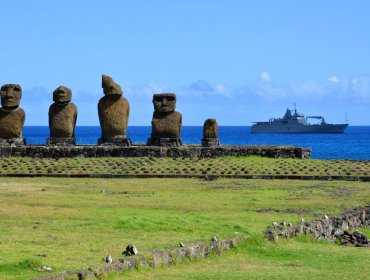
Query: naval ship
(293,122)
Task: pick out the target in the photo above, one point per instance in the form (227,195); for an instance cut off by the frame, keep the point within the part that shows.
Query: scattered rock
(41,255)
(44,269)
(108,259)
(265,210)
(131,250)
(293,211)
(182,244)
(326,228)
(357,239)
(214,238)
(210,178)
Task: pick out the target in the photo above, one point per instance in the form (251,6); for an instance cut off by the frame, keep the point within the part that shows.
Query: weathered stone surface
(147,151)
(165,142)
(115,141)
(210,142)
(62,118)
(13,142)
(210,129)
(166,122)
(11,116)
(327,228)
(356,238)
(210,134)
(113,112)
(59,141)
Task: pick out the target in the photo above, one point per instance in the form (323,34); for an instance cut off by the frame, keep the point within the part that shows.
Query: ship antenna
(295,108)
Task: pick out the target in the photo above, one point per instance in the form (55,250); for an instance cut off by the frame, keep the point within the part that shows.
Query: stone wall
(153,151)
(191,251)
(327,228)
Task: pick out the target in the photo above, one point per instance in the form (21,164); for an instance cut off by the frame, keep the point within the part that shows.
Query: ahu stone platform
(42,151)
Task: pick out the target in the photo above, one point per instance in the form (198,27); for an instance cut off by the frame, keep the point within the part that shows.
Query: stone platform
(43,151)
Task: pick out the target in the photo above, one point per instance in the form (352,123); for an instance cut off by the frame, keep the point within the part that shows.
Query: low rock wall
(153,151)
(326,228)
(193,250)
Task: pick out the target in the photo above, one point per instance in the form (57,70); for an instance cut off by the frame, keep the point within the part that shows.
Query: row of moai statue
(113,110)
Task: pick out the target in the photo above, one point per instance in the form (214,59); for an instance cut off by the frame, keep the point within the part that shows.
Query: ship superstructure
(294,122)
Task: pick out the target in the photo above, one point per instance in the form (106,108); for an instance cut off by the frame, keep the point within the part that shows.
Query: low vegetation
(71,223)
(183,167)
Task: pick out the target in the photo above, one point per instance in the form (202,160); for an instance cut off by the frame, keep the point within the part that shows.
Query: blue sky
(234,60)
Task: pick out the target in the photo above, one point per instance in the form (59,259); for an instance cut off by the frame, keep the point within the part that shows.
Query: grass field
(186,167)
(71,223)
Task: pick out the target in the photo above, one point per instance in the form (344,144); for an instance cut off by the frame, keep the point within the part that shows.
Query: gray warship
(293,122)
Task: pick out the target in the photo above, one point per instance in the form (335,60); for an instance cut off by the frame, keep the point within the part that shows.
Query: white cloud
(222,90)
(334,79)
(265,77)
(203,88)
(361,86)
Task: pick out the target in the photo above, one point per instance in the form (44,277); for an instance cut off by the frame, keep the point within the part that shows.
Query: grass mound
(67,223)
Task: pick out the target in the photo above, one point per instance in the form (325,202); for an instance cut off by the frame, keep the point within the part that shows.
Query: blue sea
(354,143)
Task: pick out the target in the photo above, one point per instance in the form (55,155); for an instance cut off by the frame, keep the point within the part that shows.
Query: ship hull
(298,128)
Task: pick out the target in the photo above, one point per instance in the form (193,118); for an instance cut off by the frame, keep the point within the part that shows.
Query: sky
(238,61)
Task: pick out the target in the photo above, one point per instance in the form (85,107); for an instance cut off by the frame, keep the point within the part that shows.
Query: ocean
(354,143)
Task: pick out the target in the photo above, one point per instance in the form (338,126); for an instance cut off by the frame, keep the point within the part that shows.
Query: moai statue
(113,112)
(62,118)
(11,116)
(210,134)
(166,123)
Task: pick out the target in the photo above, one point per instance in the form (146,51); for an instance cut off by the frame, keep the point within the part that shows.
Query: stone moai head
(164,102)
(62,95)
(210,129)
(11,96)
(110,87)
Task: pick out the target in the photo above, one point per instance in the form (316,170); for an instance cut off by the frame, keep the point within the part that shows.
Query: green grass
(68,223)
(187,167)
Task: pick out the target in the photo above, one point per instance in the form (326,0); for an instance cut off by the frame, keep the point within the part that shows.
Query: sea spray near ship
(294,122)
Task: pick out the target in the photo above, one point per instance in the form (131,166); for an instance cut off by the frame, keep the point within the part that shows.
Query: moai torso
(62,114)
(166,125)
(113,112)
(11,116)
(11,123)
(210,129)
(62,120)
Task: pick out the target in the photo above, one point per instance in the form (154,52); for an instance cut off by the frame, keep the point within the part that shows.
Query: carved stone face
(11,95)
(62,95)
(164,102)
(110,87)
